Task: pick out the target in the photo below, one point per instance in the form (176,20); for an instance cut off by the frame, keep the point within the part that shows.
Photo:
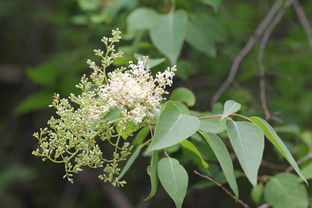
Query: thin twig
(300,161)
(260,59)
(264,206)
(303,19)
(246,49)
(242,203)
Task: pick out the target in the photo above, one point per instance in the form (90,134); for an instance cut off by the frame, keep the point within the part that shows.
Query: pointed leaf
(172,127)
(174,179)
(247,141)
(278,143)
(130,161)
(183,95)
(141,19)
(152,172)
(285,191)
(230,107)
(194,153)
(168,34)
(224,159)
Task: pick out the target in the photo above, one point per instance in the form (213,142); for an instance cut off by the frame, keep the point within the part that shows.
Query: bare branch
(247,48)
(242,203)
(303,19)
(263,44)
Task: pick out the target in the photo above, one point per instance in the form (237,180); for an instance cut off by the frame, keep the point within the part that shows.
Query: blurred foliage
(45,45)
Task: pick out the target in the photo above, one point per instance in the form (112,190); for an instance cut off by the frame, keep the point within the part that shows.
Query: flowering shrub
(114,104)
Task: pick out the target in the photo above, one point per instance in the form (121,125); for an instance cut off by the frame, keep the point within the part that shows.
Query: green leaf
(15,173)
(89,5)
(174,179)
(182,108)
(152,172)
(35,101)
(256,193)
(130,161)
(185,69)
(194,153)
(213,3)
(113,115)
(230,107)
(142,134)
(168,34)
(224,159)
(307,171)
(277,142)
(203,32)
(212,125)
(141,19)
(183,95)
(128,130)
(172,127)
(247,141)
(285,191)
(45,74)
(150,62)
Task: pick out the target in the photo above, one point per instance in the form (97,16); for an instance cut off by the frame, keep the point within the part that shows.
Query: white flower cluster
(135,92)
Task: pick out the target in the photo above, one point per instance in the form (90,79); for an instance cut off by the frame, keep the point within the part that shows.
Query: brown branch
(264,206)
(242,203)
(260,59)
(246,50)
(303,19)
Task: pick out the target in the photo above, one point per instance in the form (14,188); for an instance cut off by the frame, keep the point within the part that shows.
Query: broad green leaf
(130,161)
(213,3)
(113,115)
(182,108)
(277,142)
(174,179)
(89,5)
(185,69)
(256,193)
(150,62)
(142,134)
(230,107)
(307,171)
(285,191)
(45,74)
(172,127)
(152,172)
(224,159)
(203,32)
(247,141)
(128,130)
(183,95)
(141,19)
(194,153)
(15,173)
(168,34)
(35,101)
(212,125)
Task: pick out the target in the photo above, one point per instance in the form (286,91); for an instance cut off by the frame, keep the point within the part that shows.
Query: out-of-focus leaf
(307,171)
(285,191)
(142,134)
(89,5)
(256,193)
(44,74)
(15,173)
(141,19)
(185,69)
(212,125)
(213,3)
(183,95)
(150,62)
(168,34)
(152,172)
(203,32)
(35,101)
